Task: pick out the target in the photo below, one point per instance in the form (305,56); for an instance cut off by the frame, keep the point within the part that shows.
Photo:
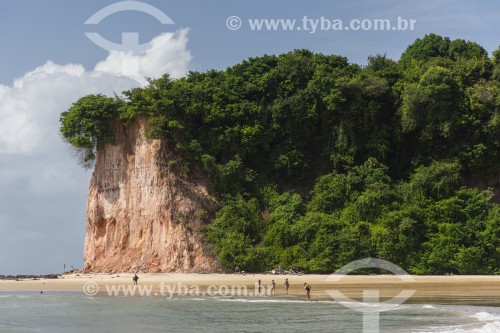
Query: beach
(227,302)
(434,289)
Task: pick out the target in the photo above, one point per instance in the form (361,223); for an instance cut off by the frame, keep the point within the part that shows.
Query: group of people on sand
(307,287)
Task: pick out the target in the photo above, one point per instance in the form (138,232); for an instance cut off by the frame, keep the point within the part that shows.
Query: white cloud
(42,189)
(30,108)
(166,54)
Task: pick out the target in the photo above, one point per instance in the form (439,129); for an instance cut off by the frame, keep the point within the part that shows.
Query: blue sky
(47,62)
(34,31)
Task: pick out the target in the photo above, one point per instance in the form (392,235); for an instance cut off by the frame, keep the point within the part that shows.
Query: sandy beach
(432,289)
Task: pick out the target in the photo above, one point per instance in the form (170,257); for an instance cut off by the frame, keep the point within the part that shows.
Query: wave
(488,328)
(250,300)
(492,325)
(486,316)
(486,323)
(10,327)
(37,295)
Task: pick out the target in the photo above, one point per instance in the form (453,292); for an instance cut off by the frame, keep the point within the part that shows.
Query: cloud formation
(166,54)
(42,189)
(30,108)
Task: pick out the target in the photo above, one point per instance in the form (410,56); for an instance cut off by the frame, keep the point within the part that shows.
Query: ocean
(75,312)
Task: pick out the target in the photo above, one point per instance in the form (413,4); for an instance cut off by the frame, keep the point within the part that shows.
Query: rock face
(141,215)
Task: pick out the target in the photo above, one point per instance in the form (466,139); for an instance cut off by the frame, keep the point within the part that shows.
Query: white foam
(493,327)
(486,316)
(487,322)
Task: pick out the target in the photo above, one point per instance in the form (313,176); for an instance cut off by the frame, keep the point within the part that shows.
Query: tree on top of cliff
(287,119)
(86,125)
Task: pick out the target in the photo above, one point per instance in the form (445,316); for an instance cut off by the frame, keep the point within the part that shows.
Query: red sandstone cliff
(141,216)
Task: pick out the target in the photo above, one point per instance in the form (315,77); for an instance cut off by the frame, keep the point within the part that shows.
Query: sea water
(75,312)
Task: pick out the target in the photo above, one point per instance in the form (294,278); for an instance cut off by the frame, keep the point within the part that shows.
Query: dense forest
(317,162)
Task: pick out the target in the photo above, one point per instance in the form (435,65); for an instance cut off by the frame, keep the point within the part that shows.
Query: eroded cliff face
(141,215)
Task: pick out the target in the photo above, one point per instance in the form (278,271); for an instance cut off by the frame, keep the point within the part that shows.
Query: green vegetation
(86,125)
(318,162)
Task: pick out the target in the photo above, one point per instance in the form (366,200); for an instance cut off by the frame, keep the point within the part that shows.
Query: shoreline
(470,290)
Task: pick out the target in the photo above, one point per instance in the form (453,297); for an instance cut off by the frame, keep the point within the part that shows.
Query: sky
(47,62)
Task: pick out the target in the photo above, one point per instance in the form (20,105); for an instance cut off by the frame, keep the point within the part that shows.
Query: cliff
(141,215)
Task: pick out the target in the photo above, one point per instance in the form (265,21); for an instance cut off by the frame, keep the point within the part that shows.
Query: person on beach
(307,287)
(259,286)
(135,278)
(287,285)
(273,287)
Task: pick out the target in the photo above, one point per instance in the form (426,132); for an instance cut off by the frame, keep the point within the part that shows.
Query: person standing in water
(307,287)
(273,287)
(259,286)
(135,278)
(287,285)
